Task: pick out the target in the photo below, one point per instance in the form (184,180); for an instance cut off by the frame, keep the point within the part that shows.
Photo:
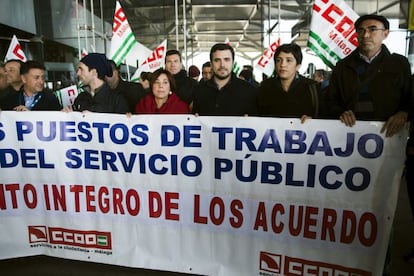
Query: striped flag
(332,33)
(122,37)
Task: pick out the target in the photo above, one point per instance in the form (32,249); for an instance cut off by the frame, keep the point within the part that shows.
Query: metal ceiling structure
(205,23)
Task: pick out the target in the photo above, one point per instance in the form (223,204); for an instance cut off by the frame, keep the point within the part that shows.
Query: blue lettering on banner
(27,158)
(189,165)
(68,131)
(171,136)
(2,134)
(299,142)
(329,177)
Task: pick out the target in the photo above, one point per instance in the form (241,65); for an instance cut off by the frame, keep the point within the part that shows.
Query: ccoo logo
(270,262)
(37,234)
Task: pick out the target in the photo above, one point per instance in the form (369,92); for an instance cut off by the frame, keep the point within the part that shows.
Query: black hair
(292,48)
(221,47)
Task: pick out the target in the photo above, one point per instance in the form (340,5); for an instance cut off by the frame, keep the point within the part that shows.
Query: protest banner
(202,195)
(332,33)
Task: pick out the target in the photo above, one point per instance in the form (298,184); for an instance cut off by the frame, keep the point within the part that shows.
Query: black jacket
(236,98)
(373,91)
(104,101)
(185,86)
(44,100)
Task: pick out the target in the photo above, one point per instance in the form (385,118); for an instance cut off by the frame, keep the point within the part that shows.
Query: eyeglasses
(369,30)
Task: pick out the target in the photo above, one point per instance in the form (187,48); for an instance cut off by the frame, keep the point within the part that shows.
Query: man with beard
(225,94)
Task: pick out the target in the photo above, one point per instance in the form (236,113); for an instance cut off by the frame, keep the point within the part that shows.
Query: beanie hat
(99,62)
(377,17)
(193,71)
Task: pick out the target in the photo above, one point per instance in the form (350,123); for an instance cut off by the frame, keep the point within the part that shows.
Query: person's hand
(348,118)
(394,123)
(21,108)
(304,118)
(67,109)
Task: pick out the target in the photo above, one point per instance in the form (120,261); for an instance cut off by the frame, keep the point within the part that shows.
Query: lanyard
(34,102)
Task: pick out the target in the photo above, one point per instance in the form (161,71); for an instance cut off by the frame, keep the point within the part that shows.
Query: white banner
(202,195)
(332,33)
(123,38)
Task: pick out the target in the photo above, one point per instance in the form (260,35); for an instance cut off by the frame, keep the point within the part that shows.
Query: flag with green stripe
(332,34)
(122,37)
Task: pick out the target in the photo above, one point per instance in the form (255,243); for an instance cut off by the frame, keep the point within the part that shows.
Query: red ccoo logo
(270,262)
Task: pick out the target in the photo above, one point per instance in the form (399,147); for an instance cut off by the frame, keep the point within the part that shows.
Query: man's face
(13,72)
(371,33)
(34,80)
(173,64)
(207,73)
(85,76)
(222,62)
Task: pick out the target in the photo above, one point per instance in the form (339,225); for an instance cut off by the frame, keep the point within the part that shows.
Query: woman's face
(286,66)
(161,87)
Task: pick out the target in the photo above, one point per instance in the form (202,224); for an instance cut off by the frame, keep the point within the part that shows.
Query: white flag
(332,33)
(266,64)
(15,51)
(67,95)
(122,37)
(153,62)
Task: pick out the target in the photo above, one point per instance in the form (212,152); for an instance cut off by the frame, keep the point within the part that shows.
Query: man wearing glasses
(371,83)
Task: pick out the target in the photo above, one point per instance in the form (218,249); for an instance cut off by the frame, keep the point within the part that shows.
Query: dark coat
(185,86)
(236,98)
(104,101)
(47,101)
(131,91)
(372,91)
(300,100)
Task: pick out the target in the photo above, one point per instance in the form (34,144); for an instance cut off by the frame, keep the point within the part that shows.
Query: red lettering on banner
(277,227)
(309,222)
(328,223)
(235,207)
(217,204)
(197,217)
(104,204)
(261,220)
(365,218)
(30,201)
(12,189)
(155,207)
(58,197)
(90,198)
(314,223)
(217,212)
